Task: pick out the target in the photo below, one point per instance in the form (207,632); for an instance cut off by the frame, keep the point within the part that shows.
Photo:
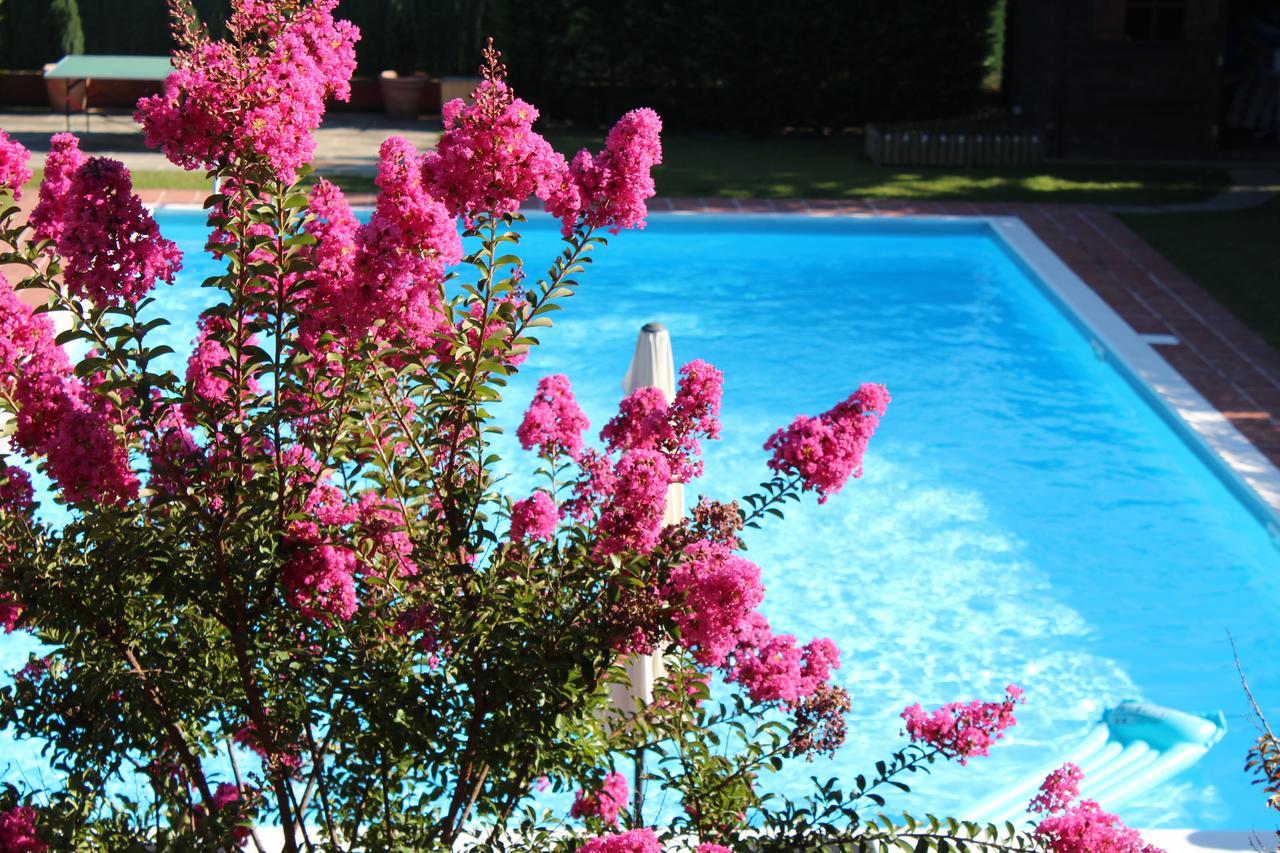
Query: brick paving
(1229,364)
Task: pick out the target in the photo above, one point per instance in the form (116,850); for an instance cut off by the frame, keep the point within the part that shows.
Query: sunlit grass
(723,166)
(836,167)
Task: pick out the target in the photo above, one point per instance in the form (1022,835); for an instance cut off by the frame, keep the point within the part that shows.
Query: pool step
(1136,747)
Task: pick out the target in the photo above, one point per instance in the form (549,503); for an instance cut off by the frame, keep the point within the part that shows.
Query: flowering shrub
(289,589)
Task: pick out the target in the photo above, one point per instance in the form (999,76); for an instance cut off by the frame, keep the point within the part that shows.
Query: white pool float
(1136,747)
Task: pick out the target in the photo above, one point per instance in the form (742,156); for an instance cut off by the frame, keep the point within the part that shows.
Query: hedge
(753,64)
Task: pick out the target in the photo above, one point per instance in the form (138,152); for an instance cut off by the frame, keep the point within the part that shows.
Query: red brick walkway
(1224,360)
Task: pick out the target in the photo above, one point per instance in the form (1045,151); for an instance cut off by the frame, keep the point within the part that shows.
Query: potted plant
(403,83)
(68,38)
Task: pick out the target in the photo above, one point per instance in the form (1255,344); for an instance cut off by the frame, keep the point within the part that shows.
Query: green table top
(81,66)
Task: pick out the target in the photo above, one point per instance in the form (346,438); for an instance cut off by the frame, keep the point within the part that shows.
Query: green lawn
(835,167)
(1232,254)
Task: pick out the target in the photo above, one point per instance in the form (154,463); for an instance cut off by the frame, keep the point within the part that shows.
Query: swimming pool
(1026,516)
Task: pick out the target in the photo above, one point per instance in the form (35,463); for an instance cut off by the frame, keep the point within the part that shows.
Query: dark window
(1155,20)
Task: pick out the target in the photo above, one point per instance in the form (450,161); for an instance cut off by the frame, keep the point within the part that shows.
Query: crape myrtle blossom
(718,591)
(110,245)
(635,841)
(388,270)
(553,423)
(609,189)
(11,611)
(259,94)
(231,799)
(605,803)
(774,668)
(489,158)
(18,831)
(645,420)
(58,416)
(963,730)
(534,518)
(1083,827)
(14,171)
(826,450)
(60,166)
(631,517)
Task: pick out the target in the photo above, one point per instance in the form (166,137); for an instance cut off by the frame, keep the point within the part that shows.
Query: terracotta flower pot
(65,95)
(403,96)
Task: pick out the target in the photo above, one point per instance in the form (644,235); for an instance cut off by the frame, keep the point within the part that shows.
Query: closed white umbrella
(652,365)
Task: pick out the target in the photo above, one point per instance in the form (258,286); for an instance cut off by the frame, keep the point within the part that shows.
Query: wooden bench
(985,141)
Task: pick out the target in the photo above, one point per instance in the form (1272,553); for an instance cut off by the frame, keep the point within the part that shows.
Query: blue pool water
(1025,516)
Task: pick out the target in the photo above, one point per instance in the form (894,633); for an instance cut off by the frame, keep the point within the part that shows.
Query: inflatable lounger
(1135,748)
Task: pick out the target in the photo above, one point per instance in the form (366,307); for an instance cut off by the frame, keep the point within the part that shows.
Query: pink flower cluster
(18,831)
(825,451)
(646,422)
(319,576)
(110,244)
(210,368)
(16,494)
(1084,827)
(59,417)
(14,171)
(232,799)
(773,668)
(320,581)
(11,611)
(389,269)
(535,517)
(631,517)
(1057,790)
(636,841)
(489,158)
(60,167)
(718,590)
(384,525)
(605,803)
(609,189)
(962,730)
(258,95)
(554,422)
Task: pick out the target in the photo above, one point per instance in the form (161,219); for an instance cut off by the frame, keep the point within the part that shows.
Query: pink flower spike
(489,158)
(609,189)
(962,730)
(14,171)
(635,841)
(825,451)
(18,831)
(554,423)
(605,803)
(534,518)
(1058,790)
